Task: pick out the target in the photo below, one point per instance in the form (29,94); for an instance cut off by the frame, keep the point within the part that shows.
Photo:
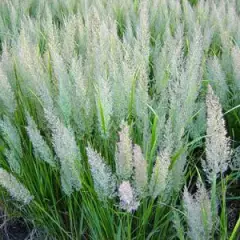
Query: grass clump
(121,120)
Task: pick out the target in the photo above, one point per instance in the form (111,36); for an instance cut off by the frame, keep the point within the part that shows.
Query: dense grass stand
(121,119)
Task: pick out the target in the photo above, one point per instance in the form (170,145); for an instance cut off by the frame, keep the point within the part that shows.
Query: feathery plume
(236,65)
(68,36)
(13,160)
(14,187)
(141,51)
(41,149)
(127,197)
(198,211)
(6,93)
(104,180)
(218,77)
(11,136)
(6,60)
(67,151)
(159,176)
(64,85)
(217,143)
(143,31)
(192,81)
(82,104)
(104,105)
(124,161)
(31,67)
(140,171)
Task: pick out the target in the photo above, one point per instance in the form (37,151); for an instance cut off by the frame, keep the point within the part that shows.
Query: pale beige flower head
(217,143)
(14,187)
(124,161)
(140,171)
(128,201)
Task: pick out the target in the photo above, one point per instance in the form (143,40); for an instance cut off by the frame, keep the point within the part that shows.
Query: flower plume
(128,201)
(14,187)
(104,180)
(217,143)
(124,161)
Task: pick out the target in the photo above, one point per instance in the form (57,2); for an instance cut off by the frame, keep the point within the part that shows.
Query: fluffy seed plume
(143,31)
(11,135)
(160,173)
(14,151)
(14,187)
(217,144)
(127,197)
(13,160)
(104,105)
(41,149)
(198,212)
(67,151)
(64,85)
(140,173)
(104,180)
(6,94)
(236,65)
(217,75)
(124,161)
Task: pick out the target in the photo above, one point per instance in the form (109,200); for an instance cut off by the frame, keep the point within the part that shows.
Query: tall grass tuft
(120,119)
